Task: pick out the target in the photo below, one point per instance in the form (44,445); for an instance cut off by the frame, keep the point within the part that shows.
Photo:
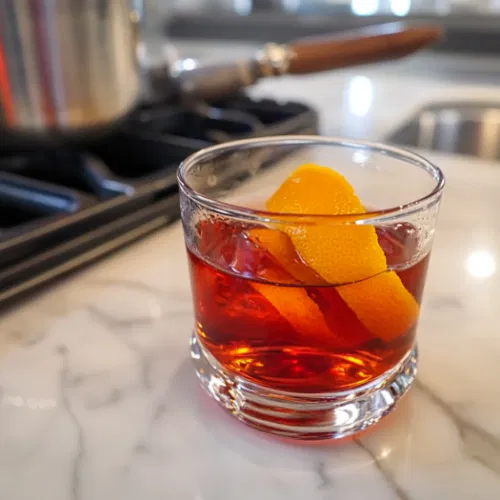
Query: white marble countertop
(98,399)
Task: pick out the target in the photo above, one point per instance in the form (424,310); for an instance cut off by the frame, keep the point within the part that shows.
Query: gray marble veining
(98,399)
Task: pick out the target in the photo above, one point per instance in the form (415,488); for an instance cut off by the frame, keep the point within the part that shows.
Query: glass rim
(255,215)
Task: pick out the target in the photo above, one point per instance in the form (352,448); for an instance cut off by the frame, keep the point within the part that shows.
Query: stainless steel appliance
(70,68)
(67,65)
(467,128)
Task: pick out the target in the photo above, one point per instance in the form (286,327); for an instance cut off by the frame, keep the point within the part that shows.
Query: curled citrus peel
(294,304)
(335,312)
(347,255)
(303,314)
(280,246)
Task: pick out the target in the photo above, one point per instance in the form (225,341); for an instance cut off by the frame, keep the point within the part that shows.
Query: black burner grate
(62,210)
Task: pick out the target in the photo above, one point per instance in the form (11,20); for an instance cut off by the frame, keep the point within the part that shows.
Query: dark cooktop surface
(61,210)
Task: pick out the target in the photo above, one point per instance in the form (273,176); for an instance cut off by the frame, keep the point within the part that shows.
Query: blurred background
(354,7)
(91,162)
(334,7)
(472,25)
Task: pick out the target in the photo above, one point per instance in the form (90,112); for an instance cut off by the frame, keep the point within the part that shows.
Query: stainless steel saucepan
(66,65)
(69,67)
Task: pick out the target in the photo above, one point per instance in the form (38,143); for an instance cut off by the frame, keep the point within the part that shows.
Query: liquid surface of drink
(237,286)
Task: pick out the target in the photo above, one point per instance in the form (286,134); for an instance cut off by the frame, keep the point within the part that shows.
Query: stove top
(62,210)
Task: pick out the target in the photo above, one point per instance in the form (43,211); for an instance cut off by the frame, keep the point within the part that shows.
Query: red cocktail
(306,311)
(248,336)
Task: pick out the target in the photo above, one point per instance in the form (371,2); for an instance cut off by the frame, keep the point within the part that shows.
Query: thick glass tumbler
(307,282)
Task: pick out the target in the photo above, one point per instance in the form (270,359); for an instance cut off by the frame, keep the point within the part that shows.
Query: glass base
(304,416)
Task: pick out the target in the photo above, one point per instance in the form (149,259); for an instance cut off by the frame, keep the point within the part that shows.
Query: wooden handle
(363,46)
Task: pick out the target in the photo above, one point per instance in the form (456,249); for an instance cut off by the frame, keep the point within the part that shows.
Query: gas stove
(62,210)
